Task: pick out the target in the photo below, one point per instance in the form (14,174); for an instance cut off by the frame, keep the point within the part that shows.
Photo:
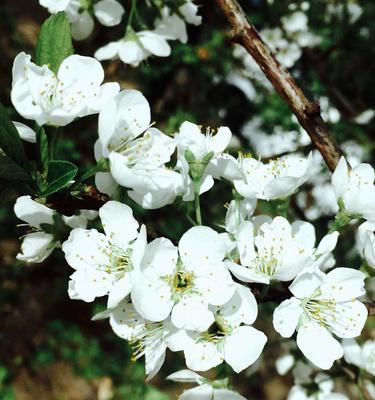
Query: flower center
(267,265)
(216,332)
(321,310)
(182,281)
(121,261)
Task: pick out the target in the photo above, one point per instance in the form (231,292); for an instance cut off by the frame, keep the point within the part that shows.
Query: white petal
(87,284)
(286,317)
(25,132)
(349,319)
(105,183)
(343,284)
(318,345)
(121,289)
(241,308)
(246,274)
(108,52)
(32,212)
(192,313)
(160,258)
(201,245)
(185,375)
(203,392)
(306,283)
(214,283)
(245,243)
(130,52)
(118,222)
(154,43)
(86,249)
(83,26)
(109,12)
(353,353)
(36,247)
(220,141)
(124,117)
(340,178)
(239,356)
(202,356)
(125,321)
(154,359)
(327,244)
(152,299)
(226,394)
(284,363)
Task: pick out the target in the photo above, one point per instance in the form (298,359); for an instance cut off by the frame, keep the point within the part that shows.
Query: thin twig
(306,111)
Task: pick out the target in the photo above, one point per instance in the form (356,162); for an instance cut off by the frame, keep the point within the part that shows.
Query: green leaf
(43,152)
(10,141)
(54,42)
(11,171)
(60,173)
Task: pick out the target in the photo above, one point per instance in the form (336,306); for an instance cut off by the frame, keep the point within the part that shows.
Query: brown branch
(307,112)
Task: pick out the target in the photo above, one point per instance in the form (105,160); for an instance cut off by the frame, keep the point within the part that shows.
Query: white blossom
(171,26)
(366,242)
(38,245)
(363,356)
(276,179)
(200,145)
(26,133)
(137,153)
(146,338)
(323,390)
(275,250)
(239,210)
(355,189)
(230,338)
(183,282)
(207,390)
(106,263)
(135,47)
(189,11)
(323,305)
(75,91)
(108,13)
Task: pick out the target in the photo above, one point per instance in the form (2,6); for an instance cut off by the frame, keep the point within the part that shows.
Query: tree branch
(307,112)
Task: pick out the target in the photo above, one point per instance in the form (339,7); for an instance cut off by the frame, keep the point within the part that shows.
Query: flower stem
(132,12)
(53,143)
(198,215)
(101,166)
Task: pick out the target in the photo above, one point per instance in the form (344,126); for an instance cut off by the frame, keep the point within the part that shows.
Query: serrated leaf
(54,42)
(10,141)
(60,173)
(9,170)
(43,151)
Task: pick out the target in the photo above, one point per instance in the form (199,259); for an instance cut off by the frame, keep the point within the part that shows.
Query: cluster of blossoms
(136,45)
(198,296)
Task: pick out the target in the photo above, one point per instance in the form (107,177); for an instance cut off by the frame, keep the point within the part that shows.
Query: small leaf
(10,141)
(43,152)
(60,173)
(54,41)
(11,171)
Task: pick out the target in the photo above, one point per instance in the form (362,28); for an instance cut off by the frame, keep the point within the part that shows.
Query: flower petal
(192,313)
(119,224)
(201,245)
(318,345)
(286,317)
(239,356)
